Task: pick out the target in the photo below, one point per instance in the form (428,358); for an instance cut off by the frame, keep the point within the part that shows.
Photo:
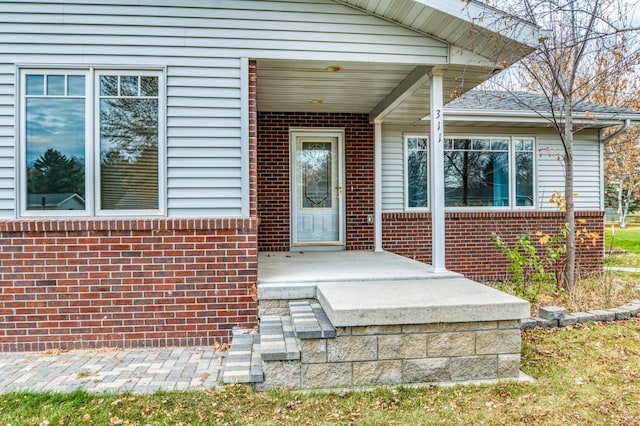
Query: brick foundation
(274,179)
(469,249)
(127,283)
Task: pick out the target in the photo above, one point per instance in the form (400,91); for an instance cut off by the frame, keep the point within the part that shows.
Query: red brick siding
(127,283)
(469,249)
(274,179)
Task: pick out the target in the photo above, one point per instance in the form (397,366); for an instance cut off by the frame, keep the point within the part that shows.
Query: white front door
(317,196)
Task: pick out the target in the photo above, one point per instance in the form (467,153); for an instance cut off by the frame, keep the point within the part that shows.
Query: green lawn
(622,246)
(584,375)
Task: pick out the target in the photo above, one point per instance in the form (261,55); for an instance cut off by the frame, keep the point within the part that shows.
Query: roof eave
(514,38)
(489,18)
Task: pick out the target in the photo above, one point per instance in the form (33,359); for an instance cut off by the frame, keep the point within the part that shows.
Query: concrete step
(244,363)
(427,301)
(278,340)
(310,321)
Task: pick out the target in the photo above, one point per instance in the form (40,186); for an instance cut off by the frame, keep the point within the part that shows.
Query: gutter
(625,127)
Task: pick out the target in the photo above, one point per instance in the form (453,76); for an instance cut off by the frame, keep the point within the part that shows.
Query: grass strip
(588,374)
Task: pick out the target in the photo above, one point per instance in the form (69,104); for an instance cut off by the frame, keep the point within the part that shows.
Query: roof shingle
(523,101)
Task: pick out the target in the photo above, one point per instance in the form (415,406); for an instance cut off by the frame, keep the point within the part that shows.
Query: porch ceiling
(285,85)
(291,86)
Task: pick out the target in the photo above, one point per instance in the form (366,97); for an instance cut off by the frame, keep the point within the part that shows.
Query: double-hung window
(479,172)
(90,142)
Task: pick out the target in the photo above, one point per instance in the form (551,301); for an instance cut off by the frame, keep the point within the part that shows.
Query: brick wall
(127,283)
(274,179)
(469,249)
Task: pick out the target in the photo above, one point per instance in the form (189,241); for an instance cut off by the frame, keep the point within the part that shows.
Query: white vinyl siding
(549,170)
(7,141)
(302,29)
(200,44)
(392,168)
(587,170)
(204,140)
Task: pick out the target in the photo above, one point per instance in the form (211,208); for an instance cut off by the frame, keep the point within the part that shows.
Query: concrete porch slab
(334,266)
(294,275)
(417,301)
(364,288)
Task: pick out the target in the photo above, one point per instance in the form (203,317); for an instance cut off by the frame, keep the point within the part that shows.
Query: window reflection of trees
(475,175)
(55,173)
(128,143)
(524,178)
(417,162)
(55,141)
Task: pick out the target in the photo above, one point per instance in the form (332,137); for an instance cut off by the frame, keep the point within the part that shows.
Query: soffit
(292,85)
(470,25)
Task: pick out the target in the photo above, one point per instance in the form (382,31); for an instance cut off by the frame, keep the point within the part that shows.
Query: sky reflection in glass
(57,123)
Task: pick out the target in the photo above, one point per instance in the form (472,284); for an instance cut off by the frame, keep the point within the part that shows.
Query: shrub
(532,270)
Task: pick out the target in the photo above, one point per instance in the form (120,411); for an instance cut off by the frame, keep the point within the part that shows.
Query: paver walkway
(109,370)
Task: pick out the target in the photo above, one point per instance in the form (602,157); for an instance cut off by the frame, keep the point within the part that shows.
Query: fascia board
(507,116)
(489,18)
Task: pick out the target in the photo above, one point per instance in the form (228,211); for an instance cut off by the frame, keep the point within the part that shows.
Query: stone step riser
(310,321)
(244,362)
(278,340)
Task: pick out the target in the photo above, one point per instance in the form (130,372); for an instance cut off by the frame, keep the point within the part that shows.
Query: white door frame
(338,133)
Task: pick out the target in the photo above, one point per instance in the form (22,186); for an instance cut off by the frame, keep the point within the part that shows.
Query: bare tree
(622,149)
(622,169)
(568,68)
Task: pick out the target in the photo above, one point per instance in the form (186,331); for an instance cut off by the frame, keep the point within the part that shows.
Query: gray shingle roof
(523,101)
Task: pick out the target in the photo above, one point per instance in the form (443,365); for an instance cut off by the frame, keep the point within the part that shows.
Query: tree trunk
(622,219)
(570,267)
(624,208)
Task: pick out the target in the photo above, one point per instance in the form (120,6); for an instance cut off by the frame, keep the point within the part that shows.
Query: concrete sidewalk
(622,269)
(111,370)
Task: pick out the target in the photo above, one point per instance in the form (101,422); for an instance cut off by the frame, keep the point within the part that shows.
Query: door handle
(339,188)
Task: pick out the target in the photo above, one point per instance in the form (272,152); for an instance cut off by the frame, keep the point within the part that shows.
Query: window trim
(92,141)
(512,172)
(534,167)
(21,187)
(99,211)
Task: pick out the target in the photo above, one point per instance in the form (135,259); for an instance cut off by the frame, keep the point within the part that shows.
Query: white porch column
(377,204)
(437,172)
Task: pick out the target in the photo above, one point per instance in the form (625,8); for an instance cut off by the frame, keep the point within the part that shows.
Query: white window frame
(92,141)
(512,172)
(96,100)
(21,190)
(405,162)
